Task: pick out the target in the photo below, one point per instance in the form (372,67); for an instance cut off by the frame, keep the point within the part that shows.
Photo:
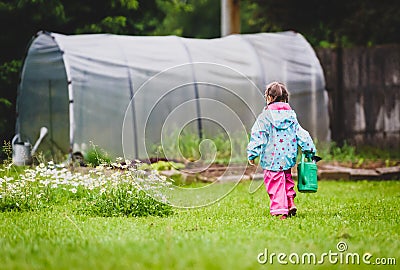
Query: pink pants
(280,187)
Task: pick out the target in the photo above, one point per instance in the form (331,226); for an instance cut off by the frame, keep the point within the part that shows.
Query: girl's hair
(277,91)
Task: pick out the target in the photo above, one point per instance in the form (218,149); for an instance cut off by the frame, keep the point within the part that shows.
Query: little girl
(274,137)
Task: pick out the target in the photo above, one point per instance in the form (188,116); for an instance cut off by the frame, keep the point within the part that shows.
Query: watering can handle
(14,139)
(302,162)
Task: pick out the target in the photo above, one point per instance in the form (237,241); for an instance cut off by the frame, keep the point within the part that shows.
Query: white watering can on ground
(23,151)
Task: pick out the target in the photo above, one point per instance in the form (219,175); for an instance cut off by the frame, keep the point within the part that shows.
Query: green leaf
(6,102)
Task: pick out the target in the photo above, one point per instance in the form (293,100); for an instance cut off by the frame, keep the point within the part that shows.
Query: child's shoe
(283,217)
(292,207)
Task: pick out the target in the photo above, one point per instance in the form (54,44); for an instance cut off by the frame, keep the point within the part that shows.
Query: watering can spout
(43,132)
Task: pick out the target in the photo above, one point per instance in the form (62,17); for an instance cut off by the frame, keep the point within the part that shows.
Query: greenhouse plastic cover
(126,94)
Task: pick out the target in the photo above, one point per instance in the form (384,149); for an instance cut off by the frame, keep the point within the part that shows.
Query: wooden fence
(363,85)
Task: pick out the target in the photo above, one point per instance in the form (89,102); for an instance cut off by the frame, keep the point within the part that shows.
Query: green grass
(226,235)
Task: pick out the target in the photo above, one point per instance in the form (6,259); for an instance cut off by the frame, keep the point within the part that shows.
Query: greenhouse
(126,93)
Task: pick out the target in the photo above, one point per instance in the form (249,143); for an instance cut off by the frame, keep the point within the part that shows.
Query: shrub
(101,191)
(347,153)
(162,166)
(96,156)
(123,201)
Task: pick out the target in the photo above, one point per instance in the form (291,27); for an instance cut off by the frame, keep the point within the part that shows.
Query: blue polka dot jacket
(275,137)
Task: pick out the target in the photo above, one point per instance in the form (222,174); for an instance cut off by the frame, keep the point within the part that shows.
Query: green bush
(347,153)
(122,201)
(331,151)
(96,156)
(101,191)
(162,166)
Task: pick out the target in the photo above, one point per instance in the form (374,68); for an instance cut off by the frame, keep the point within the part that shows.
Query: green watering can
(307,174)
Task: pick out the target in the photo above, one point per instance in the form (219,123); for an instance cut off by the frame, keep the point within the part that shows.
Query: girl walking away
(275,137)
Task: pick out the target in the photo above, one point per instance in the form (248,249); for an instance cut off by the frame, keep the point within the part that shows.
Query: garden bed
(370,170)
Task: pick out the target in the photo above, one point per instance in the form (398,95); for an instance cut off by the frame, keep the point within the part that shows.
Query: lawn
(230,234)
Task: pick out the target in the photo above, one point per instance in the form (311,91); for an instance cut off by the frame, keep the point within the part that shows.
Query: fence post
(338,127)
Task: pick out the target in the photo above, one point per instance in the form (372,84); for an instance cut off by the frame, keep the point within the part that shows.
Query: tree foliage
(197,19)
(357,22)
(8,80)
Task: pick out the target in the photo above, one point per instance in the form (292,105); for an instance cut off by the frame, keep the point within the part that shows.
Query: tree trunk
(230,17)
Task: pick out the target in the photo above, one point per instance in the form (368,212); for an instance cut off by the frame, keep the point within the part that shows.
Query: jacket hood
(281,118)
